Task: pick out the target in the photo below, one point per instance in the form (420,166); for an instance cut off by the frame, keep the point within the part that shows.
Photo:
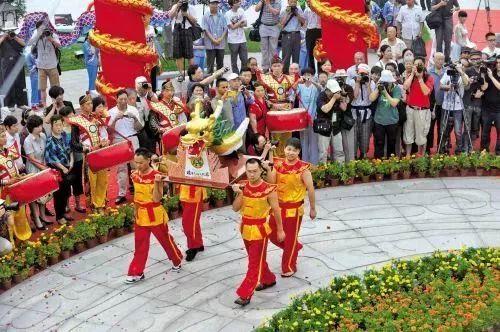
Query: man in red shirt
(258,111)
(418,86)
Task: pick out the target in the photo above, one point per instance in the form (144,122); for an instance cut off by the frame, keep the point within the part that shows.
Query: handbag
(254,34)
(196,29)
(418,47)
(347,122)
(322,126)
(434,19)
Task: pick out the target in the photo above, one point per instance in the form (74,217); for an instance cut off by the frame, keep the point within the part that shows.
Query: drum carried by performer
(89,134)
(280,90)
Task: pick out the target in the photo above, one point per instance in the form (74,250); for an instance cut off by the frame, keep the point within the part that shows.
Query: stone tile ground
(357,227)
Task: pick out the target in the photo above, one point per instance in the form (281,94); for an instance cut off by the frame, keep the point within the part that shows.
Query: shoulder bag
(254,34)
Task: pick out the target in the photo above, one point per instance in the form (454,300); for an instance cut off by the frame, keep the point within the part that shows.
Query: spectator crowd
(405,103)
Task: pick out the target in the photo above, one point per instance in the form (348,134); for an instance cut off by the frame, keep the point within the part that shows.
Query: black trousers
(212,57)
(381,133)
(434,122)
(77,178)
(61,197)
(311,36)
(423,3)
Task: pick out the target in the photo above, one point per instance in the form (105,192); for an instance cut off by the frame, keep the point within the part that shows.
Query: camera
(420,68)
(491,63)
(340,81)
(12,34)
(383,86)
(184,6)
(364,78)
(293,9)
(47,33)
(145,85)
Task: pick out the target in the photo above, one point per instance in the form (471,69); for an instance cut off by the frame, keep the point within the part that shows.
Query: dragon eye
(202,133)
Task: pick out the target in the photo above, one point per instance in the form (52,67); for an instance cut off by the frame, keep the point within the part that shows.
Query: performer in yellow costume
(294,180)
(168,112)
(89,134)
(255,202)
(150,217)
(8,176)
(191,198)
(280,90)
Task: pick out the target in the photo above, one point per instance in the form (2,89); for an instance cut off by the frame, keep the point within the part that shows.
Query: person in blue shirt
(199,52)
(91,58)
(308,92)
(33,70)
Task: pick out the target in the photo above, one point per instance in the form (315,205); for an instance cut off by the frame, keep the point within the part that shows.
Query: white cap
(386,77)
(232,76)
(363,67)
(141,79)
(340,73)
(333,86)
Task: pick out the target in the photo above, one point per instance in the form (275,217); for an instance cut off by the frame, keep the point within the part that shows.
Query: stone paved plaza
(357,227)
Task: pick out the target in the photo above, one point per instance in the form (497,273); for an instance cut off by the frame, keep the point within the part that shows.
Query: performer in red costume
(255,202)
(294,179)
(150,217)
(191,198)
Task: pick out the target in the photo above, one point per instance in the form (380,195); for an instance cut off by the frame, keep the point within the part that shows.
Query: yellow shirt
(291,188)
(255,211)
(191,194)
(147,211)
(278,89)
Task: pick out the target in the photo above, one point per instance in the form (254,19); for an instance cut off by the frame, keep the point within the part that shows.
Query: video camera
(453,73)
(491,63)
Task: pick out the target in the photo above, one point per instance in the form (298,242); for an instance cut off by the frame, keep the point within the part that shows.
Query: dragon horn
(218,109)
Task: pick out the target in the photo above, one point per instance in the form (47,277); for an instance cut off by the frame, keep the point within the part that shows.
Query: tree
(20,6)
(157,3)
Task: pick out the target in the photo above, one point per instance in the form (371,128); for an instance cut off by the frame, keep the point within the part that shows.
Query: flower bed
(365,170)
(447,291)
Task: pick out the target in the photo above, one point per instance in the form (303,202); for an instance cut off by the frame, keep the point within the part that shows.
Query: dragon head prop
(212,132)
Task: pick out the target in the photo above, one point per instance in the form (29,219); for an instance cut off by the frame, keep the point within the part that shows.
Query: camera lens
(12,34)
(145,85)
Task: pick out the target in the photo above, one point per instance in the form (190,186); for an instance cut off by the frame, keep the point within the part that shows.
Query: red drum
(34,187)
(171,138)
(110,156)
(296,119)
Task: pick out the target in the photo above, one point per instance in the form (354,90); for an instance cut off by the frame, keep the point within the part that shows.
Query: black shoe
(42,228)
(120,200)
(191,253)
(49,213)
(68,218)
(242,302)
(80,210)
(261,287)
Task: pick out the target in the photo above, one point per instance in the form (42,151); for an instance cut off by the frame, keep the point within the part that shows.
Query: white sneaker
(176,268)
(134,279)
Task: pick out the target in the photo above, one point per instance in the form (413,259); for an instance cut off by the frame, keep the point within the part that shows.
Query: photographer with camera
(473,94)
(332,104)
(184,18)
(491,105)
(358,137)
(291,19)
(46,48)
(453,84)
(418,86)
(11,51)
(387,96)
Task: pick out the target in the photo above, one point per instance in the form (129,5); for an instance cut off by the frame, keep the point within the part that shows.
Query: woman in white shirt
(385,56)
(34,148)
(461,36)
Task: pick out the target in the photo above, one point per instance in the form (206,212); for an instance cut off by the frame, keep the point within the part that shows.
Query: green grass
(70,62)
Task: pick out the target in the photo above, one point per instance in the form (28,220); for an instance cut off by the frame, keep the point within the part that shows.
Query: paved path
(357,227)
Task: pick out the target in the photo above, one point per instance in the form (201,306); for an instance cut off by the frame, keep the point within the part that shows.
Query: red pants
(142,235)
(191,213)
(258,270)
(291,245)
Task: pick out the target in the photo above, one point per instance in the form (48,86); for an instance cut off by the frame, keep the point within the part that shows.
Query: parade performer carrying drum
(167,113)
(9,175)
(280,89)
(150,216)
(255,201)
(89,134)
(294,180)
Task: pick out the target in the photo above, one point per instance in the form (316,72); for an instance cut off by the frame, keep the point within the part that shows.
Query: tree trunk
(167,31)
